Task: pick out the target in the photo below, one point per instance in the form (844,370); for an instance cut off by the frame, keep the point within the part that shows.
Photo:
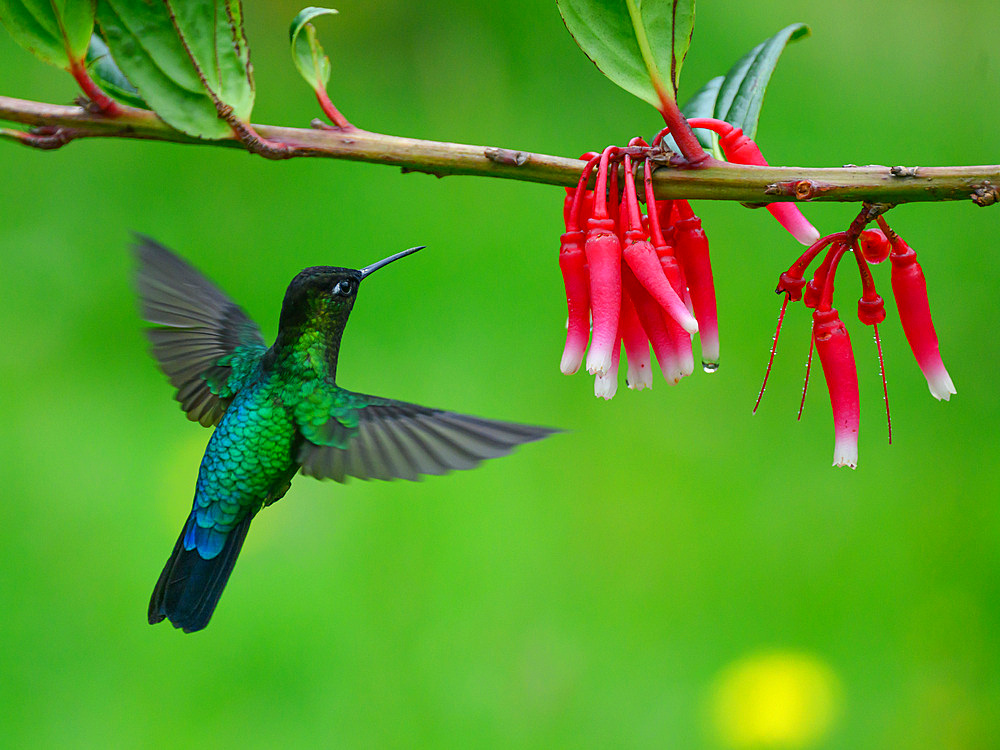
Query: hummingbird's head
(325,294)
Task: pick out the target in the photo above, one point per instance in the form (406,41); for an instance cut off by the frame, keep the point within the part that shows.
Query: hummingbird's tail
(190,586)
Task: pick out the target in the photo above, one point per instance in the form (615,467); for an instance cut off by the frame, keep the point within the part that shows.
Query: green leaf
(105,71)
(307,52)
(639,44)
(188,59)
(56,31)
(737,96)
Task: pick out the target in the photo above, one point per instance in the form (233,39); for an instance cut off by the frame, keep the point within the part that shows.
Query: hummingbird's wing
(378,438)
(208,345)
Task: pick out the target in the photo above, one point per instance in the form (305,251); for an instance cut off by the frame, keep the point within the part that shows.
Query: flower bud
(874,245)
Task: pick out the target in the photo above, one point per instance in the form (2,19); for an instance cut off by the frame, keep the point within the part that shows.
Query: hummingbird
(277,411)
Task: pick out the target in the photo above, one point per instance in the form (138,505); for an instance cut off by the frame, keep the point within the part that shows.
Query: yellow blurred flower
(775,699)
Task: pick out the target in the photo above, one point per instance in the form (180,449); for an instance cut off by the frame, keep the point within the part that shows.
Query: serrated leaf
(105,71)
(639,44)
(187,58)
(307,52)
(737,96)
(56,31)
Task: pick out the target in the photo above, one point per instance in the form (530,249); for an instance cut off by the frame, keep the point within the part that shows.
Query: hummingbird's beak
(386,261)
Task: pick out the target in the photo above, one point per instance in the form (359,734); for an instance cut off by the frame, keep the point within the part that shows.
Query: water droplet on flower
(709,367)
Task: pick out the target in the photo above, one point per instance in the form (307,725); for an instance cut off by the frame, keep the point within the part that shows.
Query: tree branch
(57,125)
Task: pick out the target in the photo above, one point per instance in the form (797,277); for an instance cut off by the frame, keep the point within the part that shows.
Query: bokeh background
(670,572)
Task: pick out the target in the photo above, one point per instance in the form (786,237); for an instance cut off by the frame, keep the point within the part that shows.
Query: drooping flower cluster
(639,280)
(624,275)
(829,335)
(636,280)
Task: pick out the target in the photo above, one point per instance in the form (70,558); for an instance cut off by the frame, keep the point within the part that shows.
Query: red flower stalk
(871,306)
(871,312)
(603,251)
(692,252)
(791,283)
(833,344)
(816,288)
(739,149)
(910,290)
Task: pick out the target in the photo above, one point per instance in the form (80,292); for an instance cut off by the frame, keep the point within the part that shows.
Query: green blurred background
(671,572)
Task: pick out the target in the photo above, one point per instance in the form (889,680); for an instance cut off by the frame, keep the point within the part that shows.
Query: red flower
(833,344)
(830,337)
(910,290)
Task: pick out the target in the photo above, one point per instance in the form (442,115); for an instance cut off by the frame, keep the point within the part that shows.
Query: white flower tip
(807,234)
(686,365)
(791,218)
(689,323)
(570,361)
(639,378)
(941,386)
(605,386)
(598,363)
(845,451)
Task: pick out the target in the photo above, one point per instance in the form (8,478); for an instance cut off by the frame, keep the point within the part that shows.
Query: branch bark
(58,125)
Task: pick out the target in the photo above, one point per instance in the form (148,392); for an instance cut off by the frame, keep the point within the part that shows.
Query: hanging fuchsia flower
(910,290)
(739,149)
(833,345)
(636,280)
(636,343)
(652,320)
(603,251)
(830,338)
(576,278)
(624,284)
(692,252)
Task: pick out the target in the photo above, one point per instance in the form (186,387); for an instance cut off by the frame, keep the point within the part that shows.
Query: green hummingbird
(278,410)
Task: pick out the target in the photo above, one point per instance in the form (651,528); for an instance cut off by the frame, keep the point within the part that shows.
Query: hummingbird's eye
(344,288)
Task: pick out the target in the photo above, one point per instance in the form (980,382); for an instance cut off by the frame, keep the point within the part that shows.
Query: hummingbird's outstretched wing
(378,438)
(208,345)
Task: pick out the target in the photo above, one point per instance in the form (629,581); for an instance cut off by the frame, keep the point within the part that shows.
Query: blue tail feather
(190,586)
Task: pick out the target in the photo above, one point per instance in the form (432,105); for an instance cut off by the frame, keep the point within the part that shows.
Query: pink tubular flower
(642,259)
(603,251)
(576,278)
(636,342)
(651,317)
(691,247)
(910,290)
(573,264)
(833,345)
(739,149)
